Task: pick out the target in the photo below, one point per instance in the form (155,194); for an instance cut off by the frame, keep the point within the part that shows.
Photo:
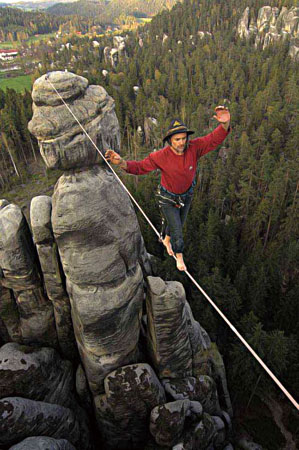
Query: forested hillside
(242,231)
(111,9)
(16,24)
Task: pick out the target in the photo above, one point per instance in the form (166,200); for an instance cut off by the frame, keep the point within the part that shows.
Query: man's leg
(185,209)
(183,215)
(166,242)
(173,217)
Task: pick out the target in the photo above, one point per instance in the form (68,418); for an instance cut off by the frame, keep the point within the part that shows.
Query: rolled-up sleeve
(206,144)
(142,167)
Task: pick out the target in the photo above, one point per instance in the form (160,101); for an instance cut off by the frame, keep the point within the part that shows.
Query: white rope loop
(271,374)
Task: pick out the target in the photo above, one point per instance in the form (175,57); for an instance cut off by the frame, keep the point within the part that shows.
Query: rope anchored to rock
(244,342)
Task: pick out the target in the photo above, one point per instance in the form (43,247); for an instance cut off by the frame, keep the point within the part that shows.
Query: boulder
(168,421)
(131,393)
(67,84)
(173,422)
(62,143)
(21,418)
(204,433)
(201,389)
(36,374)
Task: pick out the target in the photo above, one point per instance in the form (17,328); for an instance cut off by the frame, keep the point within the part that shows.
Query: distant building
(8,55)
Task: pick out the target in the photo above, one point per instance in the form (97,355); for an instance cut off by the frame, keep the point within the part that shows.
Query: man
(177,163)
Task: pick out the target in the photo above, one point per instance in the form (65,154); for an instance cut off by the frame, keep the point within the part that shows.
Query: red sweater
(178,171)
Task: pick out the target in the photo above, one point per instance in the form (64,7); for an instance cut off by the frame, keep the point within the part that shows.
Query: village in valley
(21,59)
(38,40)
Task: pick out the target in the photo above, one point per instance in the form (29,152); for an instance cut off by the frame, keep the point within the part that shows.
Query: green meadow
(19,83)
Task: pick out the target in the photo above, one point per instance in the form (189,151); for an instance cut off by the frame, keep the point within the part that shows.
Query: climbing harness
(165,198)
(244,342)
(175,200)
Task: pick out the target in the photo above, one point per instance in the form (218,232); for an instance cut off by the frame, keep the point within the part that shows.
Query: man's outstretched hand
(113,157)
(222,115)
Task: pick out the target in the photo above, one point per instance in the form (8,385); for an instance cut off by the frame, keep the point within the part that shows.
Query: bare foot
(167,244)
(180,262)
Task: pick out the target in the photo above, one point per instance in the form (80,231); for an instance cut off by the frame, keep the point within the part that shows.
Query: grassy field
(40,37)
(9,45)
(145,19)
(19,83)
(17,44)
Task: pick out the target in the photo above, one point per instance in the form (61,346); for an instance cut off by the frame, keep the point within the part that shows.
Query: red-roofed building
(8,55)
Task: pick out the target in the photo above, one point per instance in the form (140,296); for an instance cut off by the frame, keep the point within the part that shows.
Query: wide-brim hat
(176,127)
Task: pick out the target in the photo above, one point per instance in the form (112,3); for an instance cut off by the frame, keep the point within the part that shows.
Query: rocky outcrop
(151,132)
(21,275)
(53,376)
(272,25)
(62,143)
(21,418)
(103,276)
(131,393)
(81,283)
(40,214)
(117,53)
(38,397)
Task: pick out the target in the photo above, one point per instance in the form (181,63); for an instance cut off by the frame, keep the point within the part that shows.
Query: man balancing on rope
(177,163)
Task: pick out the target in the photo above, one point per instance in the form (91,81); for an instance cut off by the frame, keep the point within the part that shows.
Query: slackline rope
(271,374)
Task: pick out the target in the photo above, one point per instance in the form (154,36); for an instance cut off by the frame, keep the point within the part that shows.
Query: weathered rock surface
(21,418)
(167,329)
(131,393)
(68,85)
(82,389)
(9,316)
(202,389)
(210,363)
(272,25)
(172,326)
(243,25)
(53,376)
(41,225)
(99,248)
(168,420)
(43,443)
(99,245)
(204,433)
(20,273)
(113,55)
(151,132)
(62,143)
